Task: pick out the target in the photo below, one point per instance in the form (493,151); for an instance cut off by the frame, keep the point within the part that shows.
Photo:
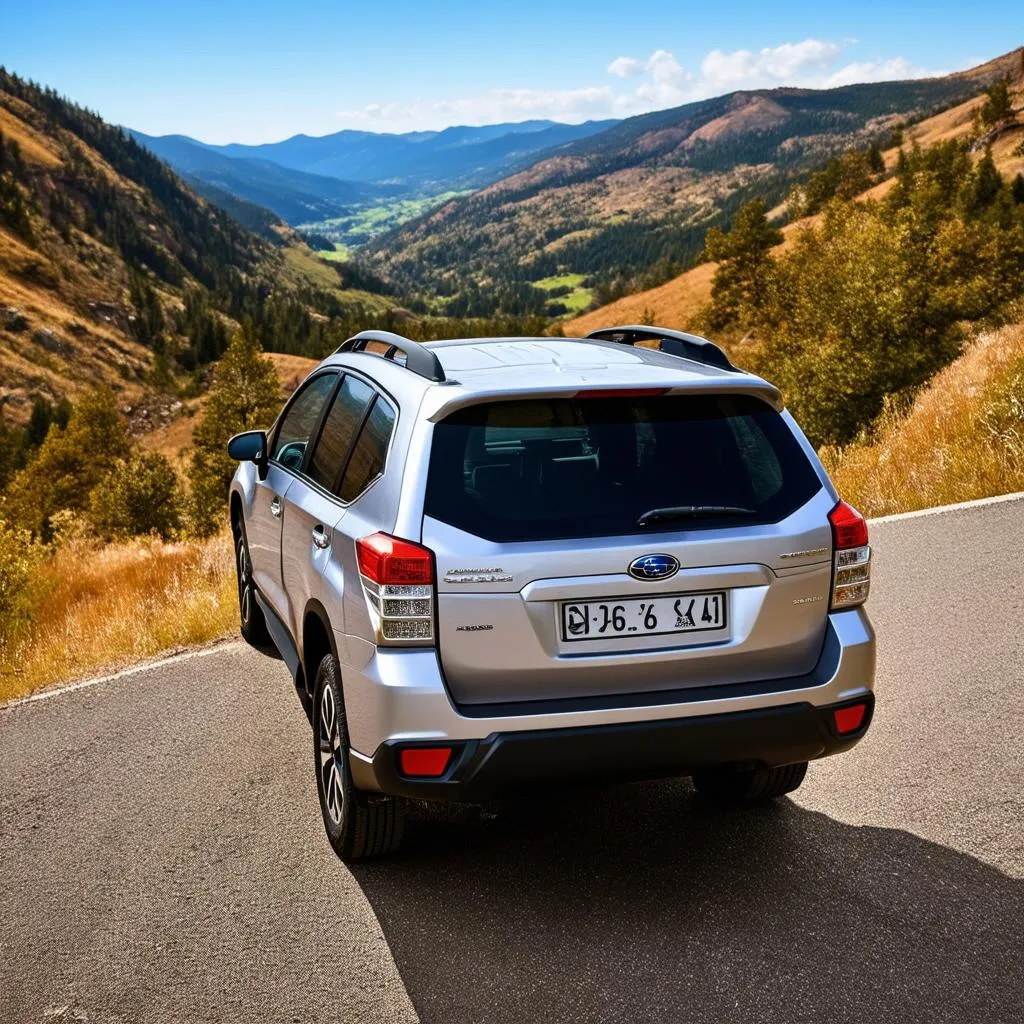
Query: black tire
(729,786)
(252,624)
(359,825)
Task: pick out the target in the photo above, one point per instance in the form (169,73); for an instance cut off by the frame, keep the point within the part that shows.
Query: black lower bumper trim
(507,763)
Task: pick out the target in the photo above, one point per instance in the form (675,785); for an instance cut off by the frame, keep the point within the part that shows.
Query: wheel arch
(317,639)
(235,507)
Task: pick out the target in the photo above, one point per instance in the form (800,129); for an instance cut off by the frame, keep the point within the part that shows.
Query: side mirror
(250,446)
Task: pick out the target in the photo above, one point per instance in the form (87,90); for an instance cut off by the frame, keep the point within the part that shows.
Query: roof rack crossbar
(419,359)
(676,343)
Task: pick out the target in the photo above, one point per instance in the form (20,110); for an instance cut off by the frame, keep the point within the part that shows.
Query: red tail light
(849,528)
(849,719)
(428,762)
(390,560)
(851,577)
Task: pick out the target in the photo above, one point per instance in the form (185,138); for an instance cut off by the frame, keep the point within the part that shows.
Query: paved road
(162,855)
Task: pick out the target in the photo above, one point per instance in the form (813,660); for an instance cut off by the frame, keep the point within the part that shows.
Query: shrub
(68,465)
(20,556)
(138,496)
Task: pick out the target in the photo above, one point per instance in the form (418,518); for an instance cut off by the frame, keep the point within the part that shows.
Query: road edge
(83,684)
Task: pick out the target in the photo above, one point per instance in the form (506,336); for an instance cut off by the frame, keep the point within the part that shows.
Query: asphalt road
(162,854)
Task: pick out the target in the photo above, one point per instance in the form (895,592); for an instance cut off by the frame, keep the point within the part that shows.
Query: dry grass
(962,439)
(104,608)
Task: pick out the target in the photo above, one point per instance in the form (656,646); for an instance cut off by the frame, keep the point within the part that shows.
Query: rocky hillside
(633,202)
(112,270)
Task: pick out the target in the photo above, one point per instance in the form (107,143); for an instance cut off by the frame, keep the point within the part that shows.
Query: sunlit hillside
(676,302)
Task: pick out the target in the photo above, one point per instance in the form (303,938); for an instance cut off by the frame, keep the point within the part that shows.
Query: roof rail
(675,343)
(418,358)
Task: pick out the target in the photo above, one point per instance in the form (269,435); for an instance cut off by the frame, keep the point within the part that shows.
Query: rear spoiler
(674,343)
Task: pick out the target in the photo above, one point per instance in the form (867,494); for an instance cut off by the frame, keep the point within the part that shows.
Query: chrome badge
(653,567)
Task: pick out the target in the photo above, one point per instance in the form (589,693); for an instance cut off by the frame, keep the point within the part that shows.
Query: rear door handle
(320,538)
(275,507)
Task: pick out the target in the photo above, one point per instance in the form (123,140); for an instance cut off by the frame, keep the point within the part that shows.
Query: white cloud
(625,67)
(878,71)
(656,82)
(493,106)
(777,65)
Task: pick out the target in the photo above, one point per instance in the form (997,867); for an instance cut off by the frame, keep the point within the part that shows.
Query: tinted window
(547,469)
(300,421)
(367,462)
(340,428)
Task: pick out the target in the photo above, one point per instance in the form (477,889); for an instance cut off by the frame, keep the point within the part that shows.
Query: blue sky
(263,70)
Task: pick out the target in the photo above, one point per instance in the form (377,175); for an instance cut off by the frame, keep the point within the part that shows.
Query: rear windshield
(559,468)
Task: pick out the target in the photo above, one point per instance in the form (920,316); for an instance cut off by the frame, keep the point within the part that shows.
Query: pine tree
(999,104)
(1017,189)
(876,162)
(744,264)
(985,184)
(245,395)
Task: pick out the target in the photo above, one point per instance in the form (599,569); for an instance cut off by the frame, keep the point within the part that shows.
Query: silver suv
(502,564)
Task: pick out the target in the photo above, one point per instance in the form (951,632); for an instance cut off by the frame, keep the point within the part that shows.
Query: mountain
(294,195)
(628,207)
(112,270)
(676,302)
(306,180)
(455,158)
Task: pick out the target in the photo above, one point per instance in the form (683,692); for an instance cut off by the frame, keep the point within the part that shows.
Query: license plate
(647,616)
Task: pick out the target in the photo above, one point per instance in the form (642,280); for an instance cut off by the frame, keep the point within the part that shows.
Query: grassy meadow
(360,226)
(577,298)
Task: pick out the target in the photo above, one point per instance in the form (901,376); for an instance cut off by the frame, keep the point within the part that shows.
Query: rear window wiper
(665,515)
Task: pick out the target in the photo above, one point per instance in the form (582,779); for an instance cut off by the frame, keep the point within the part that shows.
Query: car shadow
(639,903)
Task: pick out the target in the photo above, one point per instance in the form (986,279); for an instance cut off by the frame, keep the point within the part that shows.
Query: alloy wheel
(245,586)
(329,741)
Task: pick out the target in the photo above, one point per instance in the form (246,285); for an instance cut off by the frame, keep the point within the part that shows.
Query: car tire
(359,825)
(729,786)
(252,624)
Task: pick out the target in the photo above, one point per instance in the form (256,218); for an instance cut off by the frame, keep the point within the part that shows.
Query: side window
(295,430)
(339,431)
(367,461)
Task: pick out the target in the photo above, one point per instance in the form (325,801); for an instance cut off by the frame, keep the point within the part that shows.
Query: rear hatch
(624,542)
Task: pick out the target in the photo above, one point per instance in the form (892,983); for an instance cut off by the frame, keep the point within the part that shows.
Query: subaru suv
(500,565)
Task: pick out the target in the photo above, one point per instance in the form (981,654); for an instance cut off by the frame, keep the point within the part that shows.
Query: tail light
(851,575)
(398,581)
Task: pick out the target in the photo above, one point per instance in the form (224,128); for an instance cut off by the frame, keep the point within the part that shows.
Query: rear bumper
(504,764)
(398,698)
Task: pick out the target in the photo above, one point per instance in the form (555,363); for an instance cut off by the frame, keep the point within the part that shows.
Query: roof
(587,360)
(485,368)
(464,371)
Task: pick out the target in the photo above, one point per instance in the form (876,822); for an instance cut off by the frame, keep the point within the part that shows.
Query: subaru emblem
(653,567)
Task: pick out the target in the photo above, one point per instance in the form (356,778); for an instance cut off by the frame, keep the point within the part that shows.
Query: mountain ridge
(305,179)
(629,207)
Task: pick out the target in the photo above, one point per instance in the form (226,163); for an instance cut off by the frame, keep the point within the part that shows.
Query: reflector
(849,719)
(425,761)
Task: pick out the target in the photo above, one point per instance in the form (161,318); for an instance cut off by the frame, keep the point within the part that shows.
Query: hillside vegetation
(112,271)
(963,437)
(631,205)
(677,302)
